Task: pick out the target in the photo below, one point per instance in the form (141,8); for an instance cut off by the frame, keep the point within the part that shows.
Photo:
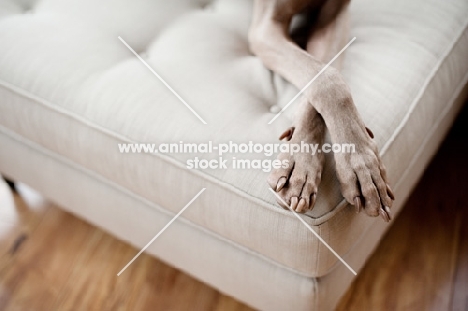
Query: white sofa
(70,91)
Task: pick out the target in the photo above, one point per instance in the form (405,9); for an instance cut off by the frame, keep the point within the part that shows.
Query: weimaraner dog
(326,103)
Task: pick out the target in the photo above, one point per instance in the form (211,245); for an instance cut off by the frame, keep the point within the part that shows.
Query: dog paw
(298,183)
(363,178)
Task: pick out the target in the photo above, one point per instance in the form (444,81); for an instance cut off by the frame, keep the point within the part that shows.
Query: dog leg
(297,184)
(299,191)
(361,174)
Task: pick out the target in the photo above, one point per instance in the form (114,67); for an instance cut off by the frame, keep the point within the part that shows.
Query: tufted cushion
(67,84)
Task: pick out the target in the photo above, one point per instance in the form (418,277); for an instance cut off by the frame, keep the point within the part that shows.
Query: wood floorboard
(460,281)
(422,261)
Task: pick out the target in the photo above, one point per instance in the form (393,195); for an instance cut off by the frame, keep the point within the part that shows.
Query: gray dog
(328,102)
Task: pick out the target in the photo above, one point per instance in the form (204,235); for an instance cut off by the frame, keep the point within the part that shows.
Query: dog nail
(389,212)
(284,135)
(384,215)
(294,202)
(287,134)
(281,183)
(291,132)
(390,192)
(301,207)
(313,196)
(358,204)
(369,132)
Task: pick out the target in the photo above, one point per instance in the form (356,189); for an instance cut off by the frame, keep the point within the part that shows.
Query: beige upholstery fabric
(232,269)
(69,87)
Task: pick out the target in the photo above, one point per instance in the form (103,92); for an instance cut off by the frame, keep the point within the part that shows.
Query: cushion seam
(444,113)
(316,220)
(153,206)
(421,92)
(414,104)
(168,159)
(147,202)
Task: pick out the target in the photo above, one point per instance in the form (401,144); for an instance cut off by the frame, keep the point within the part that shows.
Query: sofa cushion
(69,85)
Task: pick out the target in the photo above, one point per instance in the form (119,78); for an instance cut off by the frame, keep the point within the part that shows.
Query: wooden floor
(50,260)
